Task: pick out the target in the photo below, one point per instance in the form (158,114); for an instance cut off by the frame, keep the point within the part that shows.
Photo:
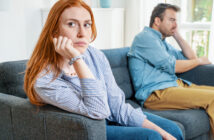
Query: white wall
(138,14)
(114,3)
(19,29)
(20,26)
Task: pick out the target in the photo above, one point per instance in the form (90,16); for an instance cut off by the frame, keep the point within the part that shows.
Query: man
(153,64)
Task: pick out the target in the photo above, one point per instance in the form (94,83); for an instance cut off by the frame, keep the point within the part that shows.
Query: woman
(66,72)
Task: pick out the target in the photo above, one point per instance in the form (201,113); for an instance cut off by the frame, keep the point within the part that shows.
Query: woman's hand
(64,47)
(163,133)
(167,136)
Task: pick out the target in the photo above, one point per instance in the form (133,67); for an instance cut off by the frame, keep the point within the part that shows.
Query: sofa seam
(12,124)
(86,126)
(44,123)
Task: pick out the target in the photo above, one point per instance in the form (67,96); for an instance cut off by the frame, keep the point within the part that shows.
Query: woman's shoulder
(96,52)
(47,76)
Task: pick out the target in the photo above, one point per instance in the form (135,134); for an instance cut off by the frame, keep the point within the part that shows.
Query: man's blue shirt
(152,63)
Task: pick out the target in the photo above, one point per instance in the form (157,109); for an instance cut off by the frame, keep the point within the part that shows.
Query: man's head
(163,19)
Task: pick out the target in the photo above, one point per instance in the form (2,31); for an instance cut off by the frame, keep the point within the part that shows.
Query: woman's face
(75,23)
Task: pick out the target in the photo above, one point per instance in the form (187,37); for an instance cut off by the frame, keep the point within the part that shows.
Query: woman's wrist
(72,60)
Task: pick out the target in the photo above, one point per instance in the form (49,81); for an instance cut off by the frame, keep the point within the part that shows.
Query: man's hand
(204,60)
(185,47)
(176,33)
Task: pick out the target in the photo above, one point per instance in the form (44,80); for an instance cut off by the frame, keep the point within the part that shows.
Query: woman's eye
(88,25)
(72,24)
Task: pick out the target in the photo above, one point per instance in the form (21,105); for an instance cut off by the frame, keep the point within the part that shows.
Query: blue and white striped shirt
(95,98)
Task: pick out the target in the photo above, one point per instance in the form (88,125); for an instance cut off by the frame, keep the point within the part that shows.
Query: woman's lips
(80,43)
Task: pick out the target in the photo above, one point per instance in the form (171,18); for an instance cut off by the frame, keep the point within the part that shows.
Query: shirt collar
(154,32)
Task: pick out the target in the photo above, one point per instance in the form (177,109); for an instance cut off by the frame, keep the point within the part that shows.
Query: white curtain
(211,39)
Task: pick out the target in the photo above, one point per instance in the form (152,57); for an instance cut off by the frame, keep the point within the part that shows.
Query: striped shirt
(97,98)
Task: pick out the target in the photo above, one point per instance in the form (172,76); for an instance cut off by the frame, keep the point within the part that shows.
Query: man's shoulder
(146,35)
(146,39)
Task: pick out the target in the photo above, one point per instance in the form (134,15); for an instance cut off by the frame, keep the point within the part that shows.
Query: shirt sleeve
(122,112)
(177,53)
(90,100)
(152,51)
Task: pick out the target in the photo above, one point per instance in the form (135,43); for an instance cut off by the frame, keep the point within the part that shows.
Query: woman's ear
(55,34)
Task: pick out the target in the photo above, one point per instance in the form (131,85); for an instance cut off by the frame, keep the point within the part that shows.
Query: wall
(138,14)
(20,28)
(114,3)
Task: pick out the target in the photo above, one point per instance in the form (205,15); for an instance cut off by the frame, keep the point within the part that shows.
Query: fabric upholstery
(12,78)
(22,120)
(118,61)
(201,75)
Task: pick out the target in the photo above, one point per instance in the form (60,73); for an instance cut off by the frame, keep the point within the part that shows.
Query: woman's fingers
(64,40)
(68,43)
(59,42)
(55,41)
(64,46)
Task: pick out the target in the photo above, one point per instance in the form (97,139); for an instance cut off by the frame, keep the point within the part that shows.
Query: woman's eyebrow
(89,20)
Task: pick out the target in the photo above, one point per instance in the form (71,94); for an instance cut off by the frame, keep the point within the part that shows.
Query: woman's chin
(81,49)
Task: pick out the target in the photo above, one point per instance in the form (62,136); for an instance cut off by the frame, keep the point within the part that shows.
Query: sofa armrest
(201,75)
(26,121)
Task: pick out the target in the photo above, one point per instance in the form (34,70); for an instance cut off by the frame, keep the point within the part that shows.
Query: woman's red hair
(44,54)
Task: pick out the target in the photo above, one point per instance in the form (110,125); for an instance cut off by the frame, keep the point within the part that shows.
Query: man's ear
(157,21)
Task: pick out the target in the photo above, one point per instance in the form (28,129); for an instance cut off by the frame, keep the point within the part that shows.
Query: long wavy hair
(44,54)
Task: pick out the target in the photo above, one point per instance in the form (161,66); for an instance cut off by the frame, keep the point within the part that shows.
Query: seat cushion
(12,78)
(194,121)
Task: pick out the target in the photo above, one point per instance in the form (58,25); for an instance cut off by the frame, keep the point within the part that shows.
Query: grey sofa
(21,120)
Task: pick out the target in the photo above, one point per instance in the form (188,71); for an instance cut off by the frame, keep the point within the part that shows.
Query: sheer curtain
(211,40)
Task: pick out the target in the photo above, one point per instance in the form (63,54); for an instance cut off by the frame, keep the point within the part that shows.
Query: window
(196,16)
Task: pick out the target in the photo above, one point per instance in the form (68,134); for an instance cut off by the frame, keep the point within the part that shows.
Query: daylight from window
(197,20)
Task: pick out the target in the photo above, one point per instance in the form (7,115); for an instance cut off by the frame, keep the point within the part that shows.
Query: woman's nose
(81,32)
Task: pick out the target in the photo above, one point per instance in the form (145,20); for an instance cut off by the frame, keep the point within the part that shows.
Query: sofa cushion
(118,61)
(195,121)
(12,78)
(192,120)
(201,75)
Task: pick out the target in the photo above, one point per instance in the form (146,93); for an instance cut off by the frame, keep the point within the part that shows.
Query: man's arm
(186,65)
(185,47)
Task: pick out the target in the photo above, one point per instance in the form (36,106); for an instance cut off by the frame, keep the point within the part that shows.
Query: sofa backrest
(12,78)
(12,73)
(119,65)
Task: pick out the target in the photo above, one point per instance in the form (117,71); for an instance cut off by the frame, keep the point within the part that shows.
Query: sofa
(19,119)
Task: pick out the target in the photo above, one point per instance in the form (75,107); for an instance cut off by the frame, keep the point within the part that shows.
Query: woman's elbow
(100,115)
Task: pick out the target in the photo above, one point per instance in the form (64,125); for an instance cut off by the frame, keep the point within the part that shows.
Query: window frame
(204,26)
